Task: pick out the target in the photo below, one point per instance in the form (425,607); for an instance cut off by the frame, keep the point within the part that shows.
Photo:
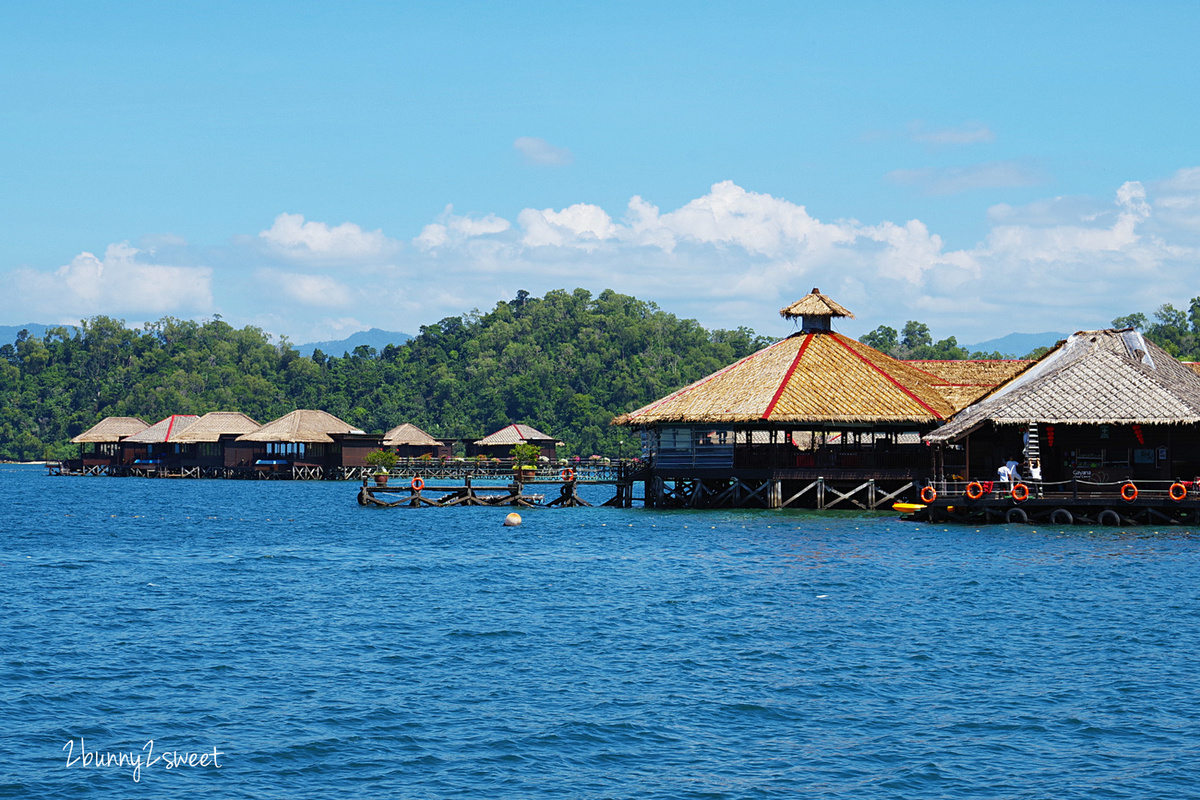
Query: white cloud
(969,133)
(540,152)
(729,257)
(730,216)
(452,228)
(292,237)
(321,291)
(119,283)
(734,257)
(581,225)
(955,180)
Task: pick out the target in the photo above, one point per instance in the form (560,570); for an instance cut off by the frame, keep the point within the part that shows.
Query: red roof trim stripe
(894,382)
(787,376)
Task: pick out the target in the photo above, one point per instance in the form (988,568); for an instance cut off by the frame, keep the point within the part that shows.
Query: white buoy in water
(512,520)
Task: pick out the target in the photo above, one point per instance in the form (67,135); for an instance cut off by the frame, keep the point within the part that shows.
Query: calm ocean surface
(331,651)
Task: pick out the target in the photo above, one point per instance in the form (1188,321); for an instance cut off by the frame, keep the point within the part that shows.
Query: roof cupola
(815,311)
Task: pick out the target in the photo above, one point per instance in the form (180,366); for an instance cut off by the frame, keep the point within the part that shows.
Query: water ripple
(328,650)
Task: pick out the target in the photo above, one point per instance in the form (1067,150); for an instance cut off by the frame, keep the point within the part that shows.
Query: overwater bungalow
(307,444)
(152,451)
(99,445)
(208,446)
(815,419)
(1102,406)
(499,444)
(409,441)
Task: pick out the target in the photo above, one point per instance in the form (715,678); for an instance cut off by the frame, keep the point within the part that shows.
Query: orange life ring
(1020,493)
(417,484)
(1128,492)
(974,490)
(568,474)
(1177,491)
(928,495)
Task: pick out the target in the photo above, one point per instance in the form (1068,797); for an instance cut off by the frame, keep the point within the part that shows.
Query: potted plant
(383,461)
(525,456)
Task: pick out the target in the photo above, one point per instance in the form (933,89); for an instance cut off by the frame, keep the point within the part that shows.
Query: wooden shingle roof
(163,430)
(408,434)
(303,425)
(111,429)
(214,424)
(514,434)
(964,382)
(1091,378)
(813,377)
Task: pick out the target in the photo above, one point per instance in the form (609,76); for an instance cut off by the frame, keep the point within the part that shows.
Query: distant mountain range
(8,333)
(1017,345)
(375,337)
(1014,345)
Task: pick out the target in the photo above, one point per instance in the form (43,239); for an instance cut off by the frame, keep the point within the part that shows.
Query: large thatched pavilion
(814,412)
(1102,406)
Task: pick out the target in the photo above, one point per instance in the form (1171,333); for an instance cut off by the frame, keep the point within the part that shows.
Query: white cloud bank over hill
(731,257)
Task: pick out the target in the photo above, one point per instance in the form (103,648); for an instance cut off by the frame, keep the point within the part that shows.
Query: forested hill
(566,363)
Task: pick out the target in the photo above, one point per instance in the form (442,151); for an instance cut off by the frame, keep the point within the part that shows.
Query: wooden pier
(776,489)
(417,494)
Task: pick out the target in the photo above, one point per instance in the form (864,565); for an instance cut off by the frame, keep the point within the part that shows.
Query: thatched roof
(302,425)
(214,424)
(814,304)
(111,429)
(514,434)
(1091,378)
(807,378)
(163,430)
(408,434)
(964,382)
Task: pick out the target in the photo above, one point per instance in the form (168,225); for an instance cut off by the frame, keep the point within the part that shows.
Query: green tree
(884,339)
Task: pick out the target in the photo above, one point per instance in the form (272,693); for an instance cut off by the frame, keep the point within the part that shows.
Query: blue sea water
(328,650)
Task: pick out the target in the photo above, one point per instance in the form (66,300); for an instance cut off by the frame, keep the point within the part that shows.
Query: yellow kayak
(908,508)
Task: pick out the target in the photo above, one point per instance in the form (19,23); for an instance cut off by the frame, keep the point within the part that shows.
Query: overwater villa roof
(163,430)
(1092,378)
(808,378)
(303,425)
(214,424)
(964,382)
(514,434)
(408,435)
(111,429)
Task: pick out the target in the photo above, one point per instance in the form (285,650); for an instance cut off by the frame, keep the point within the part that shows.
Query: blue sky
(319,168)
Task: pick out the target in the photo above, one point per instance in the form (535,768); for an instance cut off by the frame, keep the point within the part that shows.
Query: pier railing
(1073,489)
(584,471)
